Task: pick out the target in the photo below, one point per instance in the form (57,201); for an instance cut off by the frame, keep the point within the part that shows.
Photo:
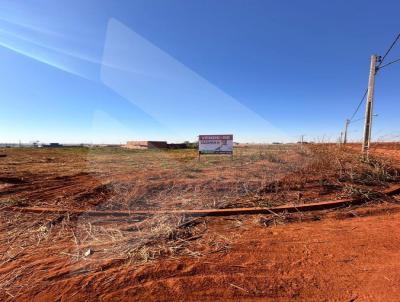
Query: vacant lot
(345,254)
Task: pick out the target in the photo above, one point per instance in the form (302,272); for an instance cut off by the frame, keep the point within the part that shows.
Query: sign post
(216,144)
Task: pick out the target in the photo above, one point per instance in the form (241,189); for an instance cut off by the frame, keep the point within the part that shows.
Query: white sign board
(216,144)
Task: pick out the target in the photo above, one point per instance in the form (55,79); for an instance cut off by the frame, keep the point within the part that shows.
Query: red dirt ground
(337,258)
(349,254)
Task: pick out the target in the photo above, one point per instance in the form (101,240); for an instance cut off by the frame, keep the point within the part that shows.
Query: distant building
(53,145)
(146,145)
(179,146)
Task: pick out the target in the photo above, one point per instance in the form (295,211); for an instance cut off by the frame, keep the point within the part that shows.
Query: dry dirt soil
(345,254)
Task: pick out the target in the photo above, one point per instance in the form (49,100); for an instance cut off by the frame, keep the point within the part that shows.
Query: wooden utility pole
(302,138)
(369,107)
(346,127)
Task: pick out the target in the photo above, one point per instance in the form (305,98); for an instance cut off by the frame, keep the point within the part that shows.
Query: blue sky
(109,71)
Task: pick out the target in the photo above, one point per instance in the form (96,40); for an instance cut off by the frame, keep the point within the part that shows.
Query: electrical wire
(357,120)
(359,105)
(379,66)
(390,63)
(390,48)
(388,51)
(360,119)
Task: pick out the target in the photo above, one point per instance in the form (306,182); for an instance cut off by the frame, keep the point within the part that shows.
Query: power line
(378,67)
(359,104)
(360,119)
(357,120)
(388,51)
(390,63)
(376,64)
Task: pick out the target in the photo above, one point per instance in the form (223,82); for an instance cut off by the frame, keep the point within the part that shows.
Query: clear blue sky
(109,71)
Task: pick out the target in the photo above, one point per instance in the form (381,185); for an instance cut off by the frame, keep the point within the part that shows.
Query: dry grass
(155,179)
(129,179)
